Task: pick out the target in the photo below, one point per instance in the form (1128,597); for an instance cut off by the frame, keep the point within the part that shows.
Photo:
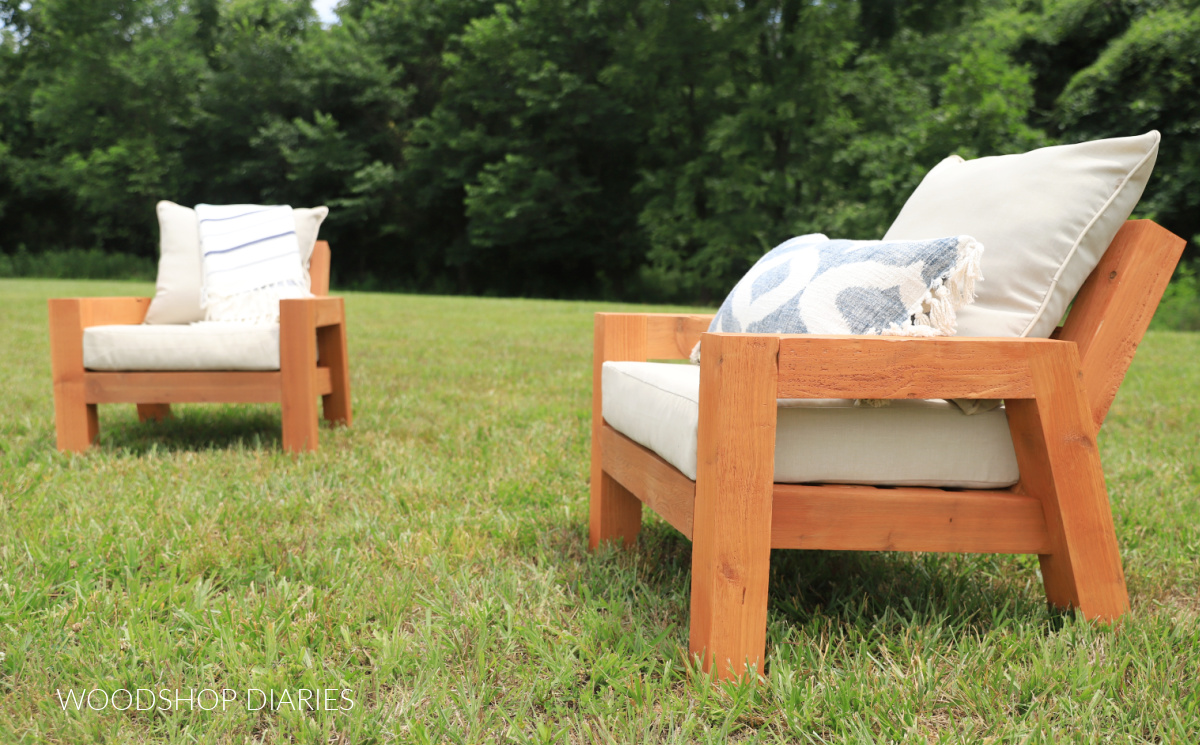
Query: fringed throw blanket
(251,261)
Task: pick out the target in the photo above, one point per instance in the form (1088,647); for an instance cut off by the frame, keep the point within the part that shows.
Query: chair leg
(1055,442)
(331,350)
(77,423)
(153,412)
(298,374)
(615,513)
(731,533)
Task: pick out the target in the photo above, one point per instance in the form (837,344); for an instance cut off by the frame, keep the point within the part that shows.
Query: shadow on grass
(195,428)
(871,593)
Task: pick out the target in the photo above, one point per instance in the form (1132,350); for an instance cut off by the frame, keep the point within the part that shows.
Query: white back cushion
(1046,218)
(180,274)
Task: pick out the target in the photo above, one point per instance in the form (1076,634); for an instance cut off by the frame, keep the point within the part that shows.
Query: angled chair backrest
(1113,309)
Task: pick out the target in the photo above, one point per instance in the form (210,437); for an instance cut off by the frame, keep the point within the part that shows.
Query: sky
(324,9)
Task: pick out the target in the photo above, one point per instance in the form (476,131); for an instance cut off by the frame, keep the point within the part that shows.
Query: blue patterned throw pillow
(814,285)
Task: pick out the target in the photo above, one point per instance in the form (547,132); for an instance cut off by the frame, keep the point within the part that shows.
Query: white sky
(324,10)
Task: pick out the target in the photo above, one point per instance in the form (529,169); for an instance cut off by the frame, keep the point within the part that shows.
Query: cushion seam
(1079,238)
(654,386)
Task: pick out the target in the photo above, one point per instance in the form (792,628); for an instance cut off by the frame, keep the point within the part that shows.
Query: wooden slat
(1114,307)
(731,531)
(650,478)
(866,518)
(898,367)
(189,387)
(671,336)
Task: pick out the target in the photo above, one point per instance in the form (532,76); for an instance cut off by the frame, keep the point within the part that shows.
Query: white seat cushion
(201,346)
(910,443)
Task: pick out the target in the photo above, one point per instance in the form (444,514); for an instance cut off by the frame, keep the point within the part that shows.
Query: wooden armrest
(664,336)
(908,367)
(70,316)
(98,311)
(325,310)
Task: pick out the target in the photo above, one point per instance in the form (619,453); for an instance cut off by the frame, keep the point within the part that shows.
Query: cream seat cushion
(199,346)
(910,443)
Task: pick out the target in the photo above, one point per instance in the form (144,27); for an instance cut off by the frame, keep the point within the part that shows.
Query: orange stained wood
(153,388)
(615,514)
(904,367)
(1055,442)
(1112,311)
(731,530)
(153,412)
(298,395)
(672,336)
(867,518)
(335,360)
(318,269)
(664,489)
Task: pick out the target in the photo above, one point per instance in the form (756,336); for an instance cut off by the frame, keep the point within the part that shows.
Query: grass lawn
(431,562)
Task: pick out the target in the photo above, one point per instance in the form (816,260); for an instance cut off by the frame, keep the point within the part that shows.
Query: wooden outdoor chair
(1057,392)
(312,362)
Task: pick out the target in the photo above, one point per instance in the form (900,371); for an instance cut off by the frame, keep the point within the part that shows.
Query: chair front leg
(1055,442)
(731,538)
(76,422)
(298,374)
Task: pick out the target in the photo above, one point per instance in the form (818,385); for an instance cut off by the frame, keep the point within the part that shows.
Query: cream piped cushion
(1046,217)
(180,271)
(910,443)
(200,346)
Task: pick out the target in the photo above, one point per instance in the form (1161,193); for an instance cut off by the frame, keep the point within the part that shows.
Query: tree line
(635,149)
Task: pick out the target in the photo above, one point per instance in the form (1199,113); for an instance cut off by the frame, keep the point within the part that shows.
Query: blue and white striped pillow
(251,260)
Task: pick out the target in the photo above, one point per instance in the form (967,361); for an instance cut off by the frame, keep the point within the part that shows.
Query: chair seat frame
(1057,393)
(312,362)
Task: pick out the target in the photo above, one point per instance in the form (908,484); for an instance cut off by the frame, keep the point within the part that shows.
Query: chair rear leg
(331,350)
(615,514)
(153,412)
(1055,443)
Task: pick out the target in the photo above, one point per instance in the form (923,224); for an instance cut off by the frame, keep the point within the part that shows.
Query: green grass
(431,560)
